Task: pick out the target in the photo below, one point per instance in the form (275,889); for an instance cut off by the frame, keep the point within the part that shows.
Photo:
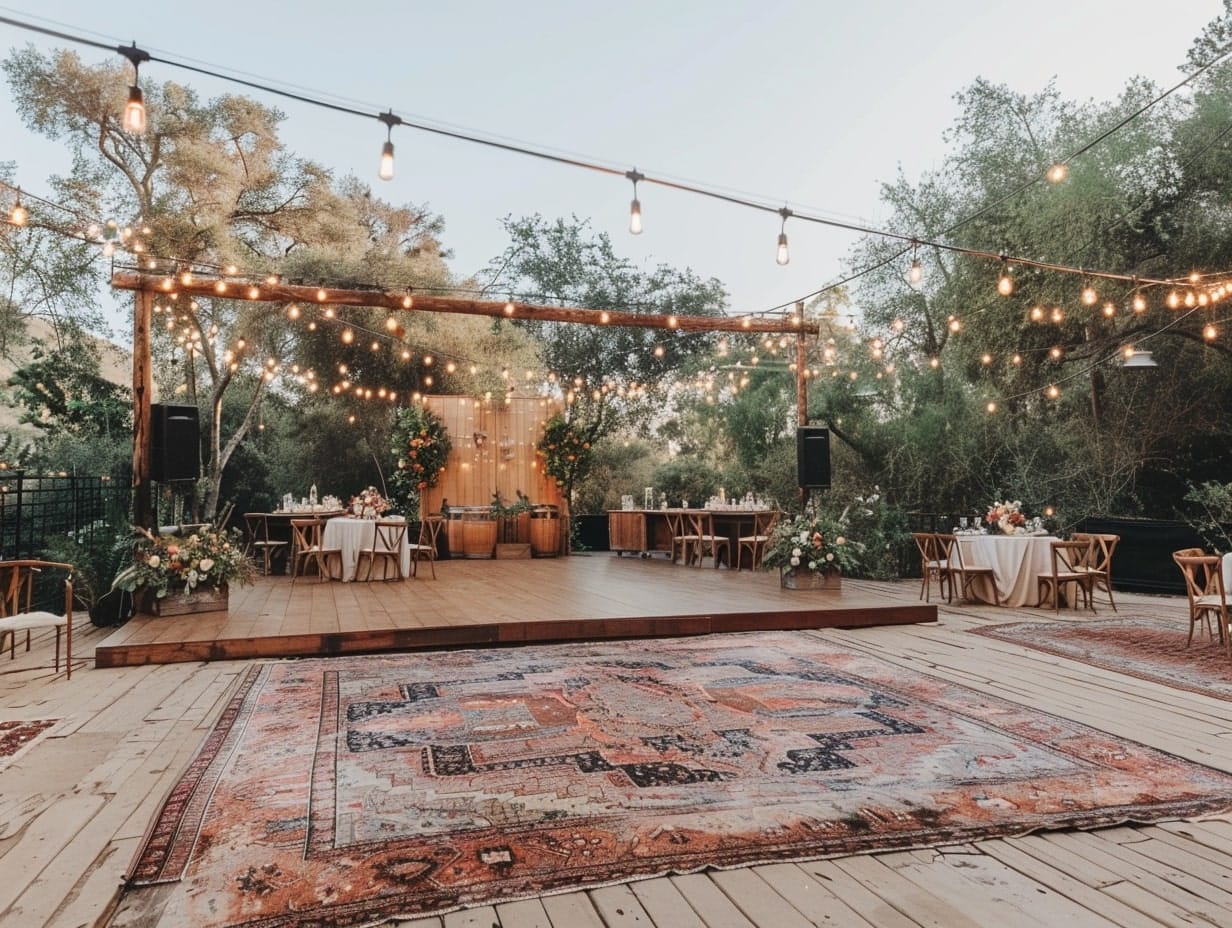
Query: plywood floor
(74,806)
(495,602)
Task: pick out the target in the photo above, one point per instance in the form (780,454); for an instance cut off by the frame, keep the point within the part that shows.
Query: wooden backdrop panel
(493,450)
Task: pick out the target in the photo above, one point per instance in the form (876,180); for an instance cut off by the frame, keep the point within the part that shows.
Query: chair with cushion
(755,544)
(958,572)
(425,547)
(17,613)
(1099,560)
(307,548)
(1204,586)
(1068,561)
(256,533)
(388,540)
(932,565)
(707,544)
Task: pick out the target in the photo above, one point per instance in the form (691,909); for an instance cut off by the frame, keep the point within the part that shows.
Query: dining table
(349,534)
(1016,562)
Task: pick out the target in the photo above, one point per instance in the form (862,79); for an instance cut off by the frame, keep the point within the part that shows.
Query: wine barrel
(545,531)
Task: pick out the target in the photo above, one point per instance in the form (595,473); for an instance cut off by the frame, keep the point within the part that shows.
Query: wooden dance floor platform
(490,602)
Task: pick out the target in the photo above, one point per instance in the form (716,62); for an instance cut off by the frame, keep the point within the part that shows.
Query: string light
(1058,172)
(1005,283)
(134,110)
(1089,296)
(915,273)
(782,257)
(635,207)
(19,215)
(386,169)
(1139,303)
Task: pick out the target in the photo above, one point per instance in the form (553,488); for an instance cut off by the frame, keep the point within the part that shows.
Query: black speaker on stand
(175,443)
(813,457)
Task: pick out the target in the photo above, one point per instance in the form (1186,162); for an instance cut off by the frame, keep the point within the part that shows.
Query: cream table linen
(350,535)
(1016,562)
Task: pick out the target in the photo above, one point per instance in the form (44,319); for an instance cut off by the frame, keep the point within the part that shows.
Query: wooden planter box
(512,550)
(202,599)
(545,533)
(808,580)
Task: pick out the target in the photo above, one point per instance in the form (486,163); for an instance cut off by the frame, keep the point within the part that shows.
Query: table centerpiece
(1006,518)
(368,503)
(810,553)
(176,575)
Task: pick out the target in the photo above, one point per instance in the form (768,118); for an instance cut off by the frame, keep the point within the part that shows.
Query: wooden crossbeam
(395,301)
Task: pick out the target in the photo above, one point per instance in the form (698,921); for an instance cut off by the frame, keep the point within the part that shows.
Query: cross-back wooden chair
(307,547)
(682,540)
(425,547)
(707,544)
(755,544)
(933,566)
(961,576)
(256,532)
(1203,575)
(1099,560)
(17,614)
(1068,560)
(388,540)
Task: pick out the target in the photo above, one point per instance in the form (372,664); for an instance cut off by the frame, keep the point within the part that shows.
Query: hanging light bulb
(134,110)
(1089,296)
(386,169)
(1005,283)
(1058,172)
(782,257)
(19,215)
(916,272)
(635,207)
(1139,303)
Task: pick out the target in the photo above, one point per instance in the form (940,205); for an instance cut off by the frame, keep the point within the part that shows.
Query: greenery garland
(421,449)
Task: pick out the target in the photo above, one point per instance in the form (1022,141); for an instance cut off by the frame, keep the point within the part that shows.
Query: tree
(609,377)
(210,183)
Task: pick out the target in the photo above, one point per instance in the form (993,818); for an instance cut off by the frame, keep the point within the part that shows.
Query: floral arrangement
(811,543)
(421,449)
(212,557)
(1006,518)
(369,501)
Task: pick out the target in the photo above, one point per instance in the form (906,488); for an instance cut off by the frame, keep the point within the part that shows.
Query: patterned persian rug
(16,737)
(1147,648)
(337,792)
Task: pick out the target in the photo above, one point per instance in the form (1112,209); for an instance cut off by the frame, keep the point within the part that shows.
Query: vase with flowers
(1006,518)
(368,503)
(174,574)
(811,552)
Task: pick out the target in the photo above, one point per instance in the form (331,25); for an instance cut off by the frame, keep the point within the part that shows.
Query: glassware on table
(962,523)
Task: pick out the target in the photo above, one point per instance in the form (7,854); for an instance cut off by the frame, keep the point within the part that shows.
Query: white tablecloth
(352,534)
(1016,562)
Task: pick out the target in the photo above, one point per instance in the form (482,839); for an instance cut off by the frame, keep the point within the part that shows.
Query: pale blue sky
(809,103)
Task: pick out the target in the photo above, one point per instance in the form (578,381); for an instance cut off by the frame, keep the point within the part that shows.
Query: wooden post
(143,386)
(801,372)
(801,386)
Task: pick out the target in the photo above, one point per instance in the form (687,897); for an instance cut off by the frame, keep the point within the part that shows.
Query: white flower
(804,536)
(840,540)
(830,556)
(192,539)
(795,560)
(796,552)
(191,578)
(154,561)
(205,564)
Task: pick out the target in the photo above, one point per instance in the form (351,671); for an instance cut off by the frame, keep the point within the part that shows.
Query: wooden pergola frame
(148,286)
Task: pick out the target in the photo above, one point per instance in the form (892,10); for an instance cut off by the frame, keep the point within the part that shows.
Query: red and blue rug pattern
(339,792)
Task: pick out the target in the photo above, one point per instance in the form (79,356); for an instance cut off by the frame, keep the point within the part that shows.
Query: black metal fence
(34,508)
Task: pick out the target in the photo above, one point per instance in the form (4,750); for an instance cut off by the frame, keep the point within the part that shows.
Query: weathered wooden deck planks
(73,807)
